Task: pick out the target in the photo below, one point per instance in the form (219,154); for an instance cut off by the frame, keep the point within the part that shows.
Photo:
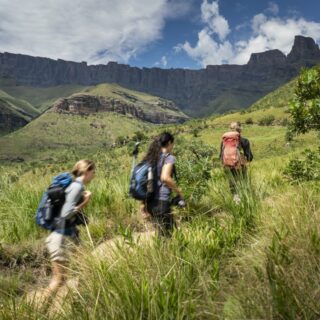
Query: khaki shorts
(59,246)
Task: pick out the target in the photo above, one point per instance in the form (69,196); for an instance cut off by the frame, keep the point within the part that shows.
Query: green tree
(305,107)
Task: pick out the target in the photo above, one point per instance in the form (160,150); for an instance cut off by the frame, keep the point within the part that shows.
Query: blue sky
(163,33)
(239,15)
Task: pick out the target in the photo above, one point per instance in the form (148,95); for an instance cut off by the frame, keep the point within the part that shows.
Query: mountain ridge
(196,92)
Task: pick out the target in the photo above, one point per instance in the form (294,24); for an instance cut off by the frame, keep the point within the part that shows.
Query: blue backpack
(52,201)
(144,181)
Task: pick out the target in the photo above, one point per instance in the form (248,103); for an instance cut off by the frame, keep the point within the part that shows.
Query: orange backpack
(231,156)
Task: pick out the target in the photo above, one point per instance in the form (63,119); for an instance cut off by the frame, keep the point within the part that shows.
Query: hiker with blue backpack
(152,182)
(235,153)
(60,211)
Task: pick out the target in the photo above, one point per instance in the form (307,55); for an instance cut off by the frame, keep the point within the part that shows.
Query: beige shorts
(59,246)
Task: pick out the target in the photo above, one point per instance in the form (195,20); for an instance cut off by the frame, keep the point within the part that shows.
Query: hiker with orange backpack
(235,153)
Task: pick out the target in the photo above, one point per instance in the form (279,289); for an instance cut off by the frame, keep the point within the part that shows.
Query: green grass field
(258,260)
(53,134)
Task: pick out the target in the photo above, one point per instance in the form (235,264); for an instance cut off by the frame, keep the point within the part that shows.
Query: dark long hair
(154,151)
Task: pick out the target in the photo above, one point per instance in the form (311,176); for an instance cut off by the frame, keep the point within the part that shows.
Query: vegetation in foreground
(258,260)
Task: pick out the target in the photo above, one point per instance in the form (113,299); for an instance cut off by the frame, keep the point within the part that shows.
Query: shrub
(266,121)
(289,135)
(139,136)
(195,132)
(304,169)
(120,141)
(249,121)
(284,122)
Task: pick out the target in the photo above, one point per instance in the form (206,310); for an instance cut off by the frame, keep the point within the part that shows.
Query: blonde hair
(82,166)
(235,126)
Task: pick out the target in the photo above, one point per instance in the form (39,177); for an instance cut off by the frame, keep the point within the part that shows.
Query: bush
(289,135)
(304,169)
(284,122)
(195,132)
(249,121)
(266,121)
(120,141)
(139,136)
(305,107)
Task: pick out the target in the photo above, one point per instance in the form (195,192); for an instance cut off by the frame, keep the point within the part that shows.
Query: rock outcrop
(197,92)
(87,104)
(304,49)
(267,58)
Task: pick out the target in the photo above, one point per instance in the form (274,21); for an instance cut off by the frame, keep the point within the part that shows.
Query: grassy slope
(40,98)
(187,271)
(56,132)
(24,108)
(43,98)
(146,102)
(53,133)
(255,261)
(278,98)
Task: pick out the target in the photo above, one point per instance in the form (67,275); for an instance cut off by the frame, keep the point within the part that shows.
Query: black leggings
(162,217)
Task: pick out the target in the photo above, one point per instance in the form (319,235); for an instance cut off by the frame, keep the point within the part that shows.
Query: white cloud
(273,8)
(96,31)
(216,23)
(274,33)
(208,51)
(179,8)
(162,63)
(267,32)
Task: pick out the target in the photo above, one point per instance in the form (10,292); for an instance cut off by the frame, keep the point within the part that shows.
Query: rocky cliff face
(87,104)
(304,49)
(217,88)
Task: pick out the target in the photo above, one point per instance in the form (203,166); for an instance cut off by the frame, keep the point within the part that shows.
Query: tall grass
(278,277)
(256,259)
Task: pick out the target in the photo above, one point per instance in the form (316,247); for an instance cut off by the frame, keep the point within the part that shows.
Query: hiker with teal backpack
(235,153)
(60,211)
(152,182)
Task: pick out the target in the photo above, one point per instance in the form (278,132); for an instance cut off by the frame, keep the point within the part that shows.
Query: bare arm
(166,177)
(86,199)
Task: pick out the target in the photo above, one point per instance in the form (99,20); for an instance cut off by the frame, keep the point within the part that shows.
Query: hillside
(113,98)
(215,89)
(278,98)
(54,133)
(14,112)
(41,98)
(255,260)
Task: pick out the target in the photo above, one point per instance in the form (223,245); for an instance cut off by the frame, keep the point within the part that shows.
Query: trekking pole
(135,153)
(88,232)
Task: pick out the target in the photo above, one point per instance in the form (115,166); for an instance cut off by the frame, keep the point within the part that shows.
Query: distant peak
(303,48)
(269,57)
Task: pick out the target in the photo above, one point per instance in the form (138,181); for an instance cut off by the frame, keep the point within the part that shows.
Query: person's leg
(56,247)
(58,276)
(168,224)
(165,219)
(236,176)
(232,179)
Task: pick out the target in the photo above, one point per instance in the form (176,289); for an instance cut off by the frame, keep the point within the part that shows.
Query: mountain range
(215,89)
